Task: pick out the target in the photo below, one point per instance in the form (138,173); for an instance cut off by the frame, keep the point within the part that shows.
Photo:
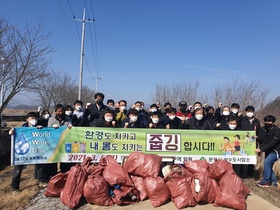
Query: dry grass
(28,185)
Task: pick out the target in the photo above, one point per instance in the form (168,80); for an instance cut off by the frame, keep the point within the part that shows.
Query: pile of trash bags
(145,176)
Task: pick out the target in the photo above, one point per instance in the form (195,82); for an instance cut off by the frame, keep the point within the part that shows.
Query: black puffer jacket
(269,140)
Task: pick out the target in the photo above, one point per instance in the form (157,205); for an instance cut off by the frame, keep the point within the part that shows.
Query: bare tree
(60,88)
(241,91)
(244,92)
(25,58)
(189,91)
(162,93)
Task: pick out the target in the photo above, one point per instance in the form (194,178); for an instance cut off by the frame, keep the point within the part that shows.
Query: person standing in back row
(269,138)
(94,113)
(78,113)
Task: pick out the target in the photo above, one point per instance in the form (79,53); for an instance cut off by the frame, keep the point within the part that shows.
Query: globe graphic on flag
(22,146)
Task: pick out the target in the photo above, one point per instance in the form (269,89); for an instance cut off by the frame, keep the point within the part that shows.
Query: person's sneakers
(263,184)
(274,184)
(43,184)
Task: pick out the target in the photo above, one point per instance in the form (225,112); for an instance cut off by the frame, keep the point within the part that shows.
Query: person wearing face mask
(154,120)
(120,112)
(232,125)
(108,120)
(110,104)
(234,113)
(60,119)
(134,120)
(143,114)
(44,118)
(224,119)
(211,116)
(78,113)
(153,109)
(195,106)
(139,106)
(31,121)
(69,111)
(199,121)
(166,107)
(93,114)
(183,111)
(170,121)
(249,123)
(42,171)
(269,138)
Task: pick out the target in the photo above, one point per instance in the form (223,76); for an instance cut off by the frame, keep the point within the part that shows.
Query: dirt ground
(31,197)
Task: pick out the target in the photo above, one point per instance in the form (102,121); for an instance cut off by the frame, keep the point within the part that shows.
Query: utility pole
(82,51)
(2,89)
(96,82)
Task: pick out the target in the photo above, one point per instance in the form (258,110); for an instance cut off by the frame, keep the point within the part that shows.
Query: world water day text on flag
(49,145)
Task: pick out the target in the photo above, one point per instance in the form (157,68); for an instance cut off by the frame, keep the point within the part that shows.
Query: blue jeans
(269,175)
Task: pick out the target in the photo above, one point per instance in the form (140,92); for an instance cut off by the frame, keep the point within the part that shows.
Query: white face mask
(122,107)
(155,120)
(234,111)
(46,116)
(33,122)
(172,117)
(250,114)
(78,108)
(137,108)
(199,116)
(133,119)
(111,107)
(108,119)
(231,127)
(226,113)
(153,110)
(68,113)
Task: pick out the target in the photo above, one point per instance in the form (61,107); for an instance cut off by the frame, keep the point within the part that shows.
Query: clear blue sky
(142,43)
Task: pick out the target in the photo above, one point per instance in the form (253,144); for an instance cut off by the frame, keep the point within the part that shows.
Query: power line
(95,54)
(74,18)
(94,43)
(95,39)
(69,24)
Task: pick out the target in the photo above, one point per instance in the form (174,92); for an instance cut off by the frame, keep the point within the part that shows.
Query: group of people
(196,116)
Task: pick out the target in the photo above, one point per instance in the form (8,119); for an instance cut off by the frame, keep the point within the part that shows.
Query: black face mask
(209,115)
(61,116)
(183,109)
(167,109)
(268,126)
(99,102)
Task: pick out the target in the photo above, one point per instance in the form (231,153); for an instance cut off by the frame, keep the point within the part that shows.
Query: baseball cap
(183,103)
